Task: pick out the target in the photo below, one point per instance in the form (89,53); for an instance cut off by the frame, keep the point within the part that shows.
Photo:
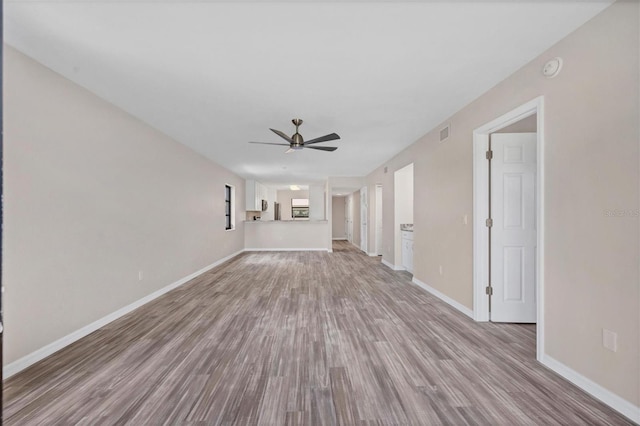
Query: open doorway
(508,219)
(403,217)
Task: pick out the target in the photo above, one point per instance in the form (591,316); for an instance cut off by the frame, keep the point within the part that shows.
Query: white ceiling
(215,75)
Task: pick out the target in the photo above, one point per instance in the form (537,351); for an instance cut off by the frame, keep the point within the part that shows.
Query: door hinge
(489,223)
(489,155)
(489,290)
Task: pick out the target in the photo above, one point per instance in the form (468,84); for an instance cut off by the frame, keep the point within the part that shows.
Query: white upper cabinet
(255,193)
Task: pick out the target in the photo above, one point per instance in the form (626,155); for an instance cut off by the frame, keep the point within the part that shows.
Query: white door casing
(480,211)
(378,225)
(513,234)
(364,228)
(348,218)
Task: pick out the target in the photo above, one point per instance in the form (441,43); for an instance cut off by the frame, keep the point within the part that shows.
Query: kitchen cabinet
(407,250)
(255,192)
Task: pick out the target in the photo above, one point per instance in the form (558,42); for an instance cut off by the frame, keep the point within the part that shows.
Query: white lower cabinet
(407,250)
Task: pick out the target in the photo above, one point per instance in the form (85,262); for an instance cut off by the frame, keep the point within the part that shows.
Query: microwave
(265,204)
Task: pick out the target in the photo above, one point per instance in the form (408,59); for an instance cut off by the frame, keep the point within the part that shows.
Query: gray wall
(338,228)
(92,196)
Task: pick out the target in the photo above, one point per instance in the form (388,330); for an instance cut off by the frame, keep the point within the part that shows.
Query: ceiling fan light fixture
(296,141)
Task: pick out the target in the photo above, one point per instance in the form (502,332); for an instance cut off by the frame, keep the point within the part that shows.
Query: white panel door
(379,220)
(513,235)
(364,228)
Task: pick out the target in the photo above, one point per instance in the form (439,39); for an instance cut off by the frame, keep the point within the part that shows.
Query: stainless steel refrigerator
(276,211)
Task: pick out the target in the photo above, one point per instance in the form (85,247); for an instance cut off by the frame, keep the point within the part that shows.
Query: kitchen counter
(287,221)
(287,235)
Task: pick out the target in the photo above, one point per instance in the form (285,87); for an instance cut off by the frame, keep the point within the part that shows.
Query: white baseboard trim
(339,239)
(614,401)
(459,306)
(288,249)
(39,354)
(372,254)
(392,266)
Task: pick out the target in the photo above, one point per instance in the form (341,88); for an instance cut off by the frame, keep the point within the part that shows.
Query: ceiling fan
(296,142)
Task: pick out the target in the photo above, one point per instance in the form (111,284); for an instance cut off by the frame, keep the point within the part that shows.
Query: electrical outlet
(140,275)
(610,340)
(441,272)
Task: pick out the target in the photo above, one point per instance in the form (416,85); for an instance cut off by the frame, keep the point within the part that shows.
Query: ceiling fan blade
(271,143)
(282,135)
(325,138)
(322,148)
(289,151)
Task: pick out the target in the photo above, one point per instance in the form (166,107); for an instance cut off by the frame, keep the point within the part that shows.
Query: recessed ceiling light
(294,188)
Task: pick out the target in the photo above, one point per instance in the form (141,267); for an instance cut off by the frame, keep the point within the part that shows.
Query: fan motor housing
(297,139)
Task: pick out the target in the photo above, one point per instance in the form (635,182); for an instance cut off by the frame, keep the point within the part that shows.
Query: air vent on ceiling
(444,133)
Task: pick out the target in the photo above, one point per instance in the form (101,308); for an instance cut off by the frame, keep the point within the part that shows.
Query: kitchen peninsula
(303,225)
(286,235)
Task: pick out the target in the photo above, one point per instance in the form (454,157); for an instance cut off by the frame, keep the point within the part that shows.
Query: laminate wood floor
(300,338)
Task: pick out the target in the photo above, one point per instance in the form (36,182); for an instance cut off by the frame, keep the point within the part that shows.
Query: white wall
(92,197)
(317,202)
(404,194)
(338,218)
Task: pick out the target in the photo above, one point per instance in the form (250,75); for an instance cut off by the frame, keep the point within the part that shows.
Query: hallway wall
(592,197)
(338,218)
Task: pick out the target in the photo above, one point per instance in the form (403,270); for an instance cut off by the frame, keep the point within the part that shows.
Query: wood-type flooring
(299,338)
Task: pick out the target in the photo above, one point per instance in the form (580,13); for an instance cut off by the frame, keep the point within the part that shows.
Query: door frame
(378,217)
(364,219)
(1,207)
(348,205)
(481,206)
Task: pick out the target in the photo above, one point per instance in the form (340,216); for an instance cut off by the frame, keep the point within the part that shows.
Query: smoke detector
(552,67)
